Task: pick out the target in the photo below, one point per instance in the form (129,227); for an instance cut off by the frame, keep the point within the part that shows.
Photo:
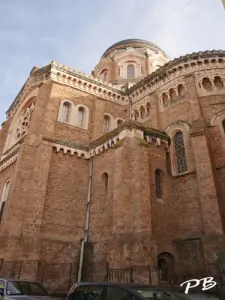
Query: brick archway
(166,263)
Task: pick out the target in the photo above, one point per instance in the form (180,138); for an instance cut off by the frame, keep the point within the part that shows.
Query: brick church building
(122,168)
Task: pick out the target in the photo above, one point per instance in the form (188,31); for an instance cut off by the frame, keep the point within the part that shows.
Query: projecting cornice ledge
(127,129)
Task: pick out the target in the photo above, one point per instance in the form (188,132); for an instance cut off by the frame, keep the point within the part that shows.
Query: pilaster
(207,190)
(193,97)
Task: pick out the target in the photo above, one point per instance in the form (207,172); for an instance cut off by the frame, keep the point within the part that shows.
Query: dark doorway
(165,266)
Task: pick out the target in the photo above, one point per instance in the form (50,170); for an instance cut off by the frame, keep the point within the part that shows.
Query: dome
(133,43)
(129,61)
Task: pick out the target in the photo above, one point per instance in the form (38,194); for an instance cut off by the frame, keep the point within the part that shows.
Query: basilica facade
(121,168)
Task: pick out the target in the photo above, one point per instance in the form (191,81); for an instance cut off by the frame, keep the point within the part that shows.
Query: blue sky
(76,33)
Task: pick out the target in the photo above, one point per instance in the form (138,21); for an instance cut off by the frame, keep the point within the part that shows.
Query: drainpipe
(87,221)
(130,108)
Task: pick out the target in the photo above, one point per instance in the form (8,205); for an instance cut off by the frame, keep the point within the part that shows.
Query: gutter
(87,222)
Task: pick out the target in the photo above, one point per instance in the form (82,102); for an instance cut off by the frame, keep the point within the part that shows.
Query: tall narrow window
(148,108)
(66,112)
(130,71)
(105,178)
(180,152)
(181,90)
(158,183)
(4,197)
(81,117)
(104,74)
(142,112)
(136,115)
(173,95)
(107,124)
(165,99)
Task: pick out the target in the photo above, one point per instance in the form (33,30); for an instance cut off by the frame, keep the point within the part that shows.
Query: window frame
(178,156)
(129,75)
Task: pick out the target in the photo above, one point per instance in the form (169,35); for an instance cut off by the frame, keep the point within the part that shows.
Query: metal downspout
(87,221)
(130,108)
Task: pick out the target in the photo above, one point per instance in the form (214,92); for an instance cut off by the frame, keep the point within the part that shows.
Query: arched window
(148,108)
(180,152)
(81,117)
(158,184)
(105,179)
(173,95)
(206,83)
(119,122)
(4,197)
(136,115)
(165,99)
(181,90)
(223,124)
(107,124)
(104,75)
(66,112)
(130,71)
(218,82)
(142,112)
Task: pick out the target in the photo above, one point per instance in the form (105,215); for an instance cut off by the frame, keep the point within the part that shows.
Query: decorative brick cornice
(127,129)
(175,68)
(8,162)
(87,83)
(9,153)
(68,76)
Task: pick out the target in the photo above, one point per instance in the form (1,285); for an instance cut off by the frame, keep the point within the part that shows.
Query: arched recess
(82,116)
(174,131)
(108,123)
(25,106)
(142,112)
(4,197)
(166,266)
(219,120)
(104,74)
(105,181)
(66,112)
(119,122)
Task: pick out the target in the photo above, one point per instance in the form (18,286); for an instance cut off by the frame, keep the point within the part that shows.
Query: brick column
(131,192)
(113,69)
(193,97)
(154,112)
(140,186)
